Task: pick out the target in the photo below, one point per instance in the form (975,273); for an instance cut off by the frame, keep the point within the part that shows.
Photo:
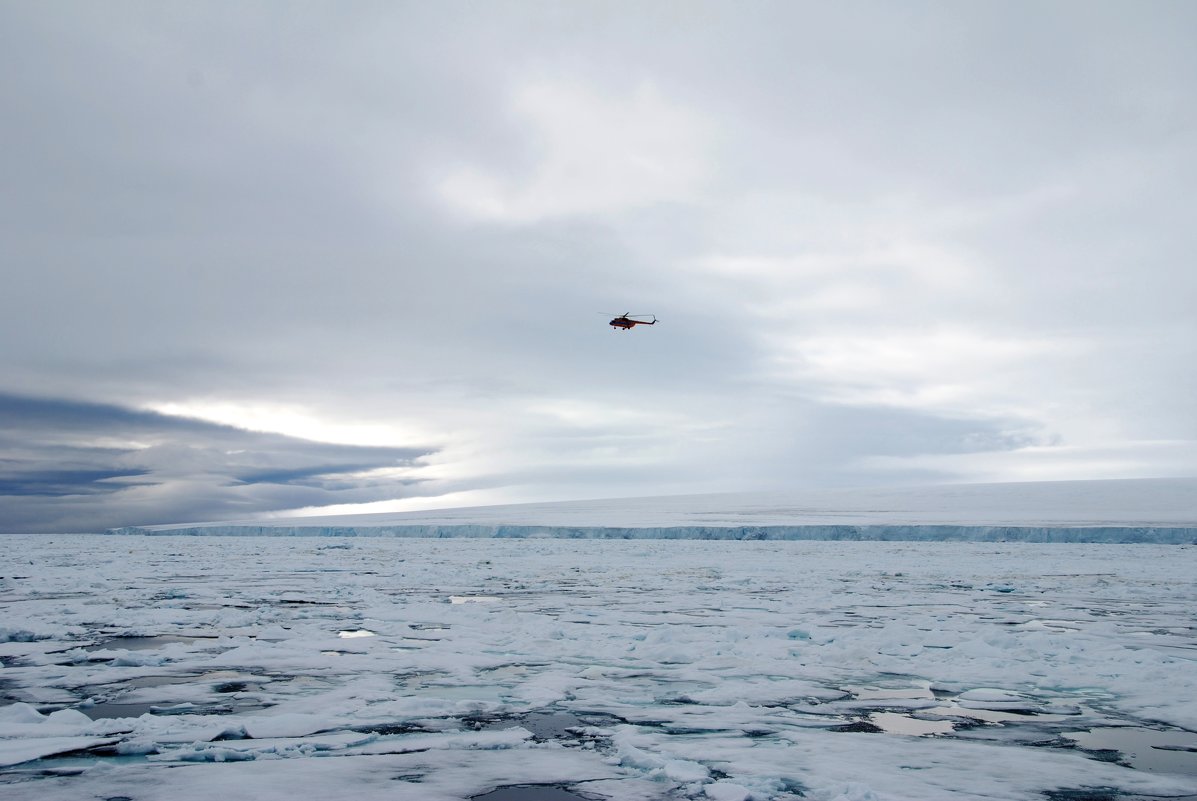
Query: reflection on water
(115,709)
(535,792)
(1146,749)
(989,715)
(111,710)
(550,725)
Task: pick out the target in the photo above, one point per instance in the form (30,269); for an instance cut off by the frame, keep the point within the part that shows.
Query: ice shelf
(1122,511)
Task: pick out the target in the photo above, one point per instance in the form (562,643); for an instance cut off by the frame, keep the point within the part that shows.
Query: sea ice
(634,670)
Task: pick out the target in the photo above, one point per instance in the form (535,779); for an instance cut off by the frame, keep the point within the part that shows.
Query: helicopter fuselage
(626,322)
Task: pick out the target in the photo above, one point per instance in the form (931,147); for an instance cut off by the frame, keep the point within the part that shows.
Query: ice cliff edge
(1122,511)
(1112,534)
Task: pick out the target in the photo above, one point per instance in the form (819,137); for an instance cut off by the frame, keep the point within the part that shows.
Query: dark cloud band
(52,478)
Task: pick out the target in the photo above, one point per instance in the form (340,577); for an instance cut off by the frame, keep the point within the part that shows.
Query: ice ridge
(1163,535)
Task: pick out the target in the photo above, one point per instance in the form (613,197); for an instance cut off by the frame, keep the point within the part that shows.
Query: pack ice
(541,667)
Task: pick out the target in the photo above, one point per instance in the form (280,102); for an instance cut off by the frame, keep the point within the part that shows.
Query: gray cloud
(69,465)
(902,232)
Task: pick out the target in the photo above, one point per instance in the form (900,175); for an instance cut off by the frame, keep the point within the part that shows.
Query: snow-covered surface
(1148,510)
(635,670)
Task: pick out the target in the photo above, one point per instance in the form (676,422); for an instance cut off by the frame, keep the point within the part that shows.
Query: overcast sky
(261,257)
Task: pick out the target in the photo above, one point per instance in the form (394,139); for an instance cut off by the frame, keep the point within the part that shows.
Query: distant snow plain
(527,666)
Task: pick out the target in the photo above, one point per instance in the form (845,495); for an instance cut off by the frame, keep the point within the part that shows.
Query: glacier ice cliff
(1120,511)
(916,533)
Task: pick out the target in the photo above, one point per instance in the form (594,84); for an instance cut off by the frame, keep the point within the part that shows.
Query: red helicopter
(626,321)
